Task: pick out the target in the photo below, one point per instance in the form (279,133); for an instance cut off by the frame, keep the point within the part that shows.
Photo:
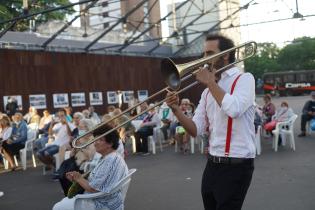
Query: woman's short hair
(268,97)
(88,123)
(111,138)
(79,115)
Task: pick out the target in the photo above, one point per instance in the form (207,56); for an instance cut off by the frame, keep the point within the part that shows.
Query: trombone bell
(170,74)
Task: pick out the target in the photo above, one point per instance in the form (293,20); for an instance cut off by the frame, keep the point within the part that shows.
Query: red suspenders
(229,125)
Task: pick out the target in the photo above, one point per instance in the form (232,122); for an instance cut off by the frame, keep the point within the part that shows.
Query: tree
(264,61)
(300,55)
(14,8)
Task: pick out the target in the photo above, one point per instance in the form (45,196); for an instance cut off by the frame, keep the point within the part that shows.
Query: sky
(279,32)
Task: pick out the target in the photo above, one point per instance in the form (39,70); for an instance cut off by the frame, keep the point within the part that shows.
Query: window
(288,78)
(301,77)
(269,79)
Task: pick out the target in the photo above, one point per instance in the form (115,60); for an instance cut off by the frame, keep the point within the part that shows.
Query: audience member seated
(5,135)
(146,129)
(94,116)
(68,111)
(143,107)
(308,113)
(32,118)
(77,117)
(166,115)
(17,140)
(268,109)
(78,157)
(182,137)
(109,171)
(62,131)
(125,131)
(112,123)
(46,119)
(110,109)
(284,113)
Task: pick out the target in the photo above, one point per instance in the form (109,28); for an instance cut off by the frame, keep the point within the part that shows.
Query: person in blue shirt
(17,140)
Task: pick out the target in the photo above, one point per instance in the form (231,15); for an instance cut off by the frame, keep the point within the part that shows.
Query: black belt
(230,160)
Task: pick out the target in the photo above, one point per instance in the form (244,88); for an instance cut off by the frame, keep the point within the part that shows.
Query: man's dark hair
(111,138)
(224,44)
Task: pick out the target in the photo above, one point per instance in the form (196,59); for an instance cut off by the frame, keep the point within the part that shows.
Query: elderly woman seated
(78,157)
(108,172)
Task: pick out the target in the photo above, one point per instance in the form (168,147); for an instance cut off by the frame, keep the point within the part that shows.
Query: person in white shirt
(146,130)
(62,131)
(94,116)
(230,166)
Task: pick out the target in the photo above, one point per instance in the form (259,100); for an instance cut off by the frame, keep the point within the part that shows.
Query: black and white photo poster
(16,98)
(78,99)
(96,98)
(112,97)
(38,101)
(61,100)
(128,96)
(142,95)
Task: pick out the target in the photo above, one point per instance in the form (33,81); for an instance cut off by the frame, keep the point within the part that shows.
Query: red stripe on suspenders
(229,125)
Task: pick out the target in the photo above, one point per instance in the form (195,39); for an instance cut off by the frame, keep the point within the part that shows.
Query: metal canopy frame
(212,28)
(46,43)
(132,39)
(185,26)
(120,20)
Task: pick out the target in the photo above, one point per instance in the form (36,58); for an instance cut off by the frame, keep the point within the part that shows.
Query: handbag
(270,125)
(67,166)
(312,124)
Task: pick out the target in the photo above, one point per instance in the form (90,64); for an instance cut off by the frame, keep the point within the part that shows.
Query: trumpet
(173,75)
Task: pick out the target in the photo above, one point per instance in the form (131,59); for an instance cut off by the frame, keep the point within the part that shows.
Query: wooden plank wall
(29,72)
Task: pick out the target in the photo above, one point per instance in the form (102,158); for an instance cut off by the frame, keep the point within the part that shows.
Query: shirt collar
(230,72)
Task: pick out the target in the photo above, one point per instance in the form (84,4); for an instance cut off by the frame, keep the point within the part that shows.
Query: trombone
(174,75)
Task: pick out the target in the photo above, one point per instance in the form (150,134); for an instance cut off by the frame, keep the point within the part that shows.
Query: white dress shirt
(239,106)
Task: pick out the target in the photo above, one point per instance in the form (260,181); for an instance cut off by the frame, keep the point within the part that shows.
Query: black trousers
(304,119)
(143,133)
(224,186)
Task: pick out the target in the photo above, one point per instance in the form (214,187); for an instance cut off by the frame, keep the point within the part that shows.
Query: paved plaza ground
(282,180)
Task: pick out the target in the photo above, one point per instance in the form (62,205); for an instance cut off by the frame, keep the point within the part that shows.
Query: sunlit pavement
(282,180)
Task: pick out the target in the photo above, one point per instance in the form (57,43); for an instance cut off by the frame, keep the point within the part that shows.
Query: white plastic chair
(284,129)
(258,140)
(83,200)
(31,137)
(156,137)
(191,140)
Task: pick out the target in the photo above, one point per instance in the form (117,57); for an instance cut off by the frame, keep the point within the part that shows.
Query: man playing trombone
(226,109)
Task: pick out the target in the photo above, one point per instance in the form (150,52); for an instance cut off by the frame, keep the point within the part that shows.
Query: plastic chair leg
(192,145)
(34,160)
(23,158)
(133,142)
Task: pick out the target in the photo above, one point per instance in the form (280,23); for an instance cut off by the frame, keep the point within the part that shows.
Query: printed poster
(61,100)
(38,101)
(96,98)
(78,99)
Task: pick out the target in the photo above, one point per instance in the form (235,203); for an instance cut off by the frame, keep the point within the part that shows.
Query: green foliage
(14,8)
(300,55)
(264,61)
